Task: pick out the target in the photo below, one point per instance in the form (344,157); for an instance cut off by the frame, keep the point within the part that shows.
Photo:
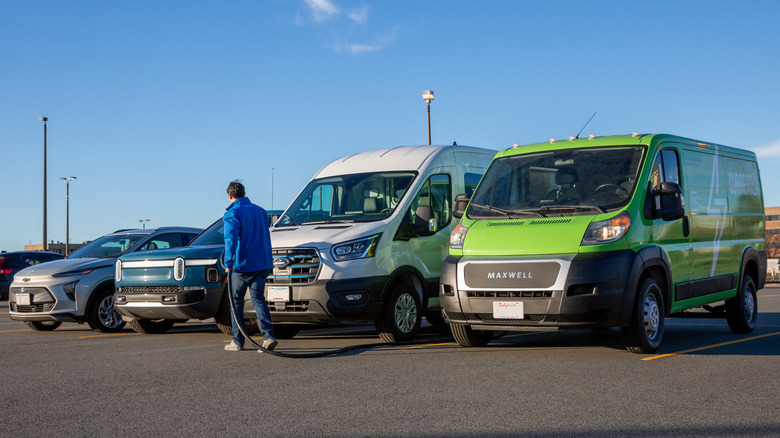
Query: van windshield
(361,197)
(558,183)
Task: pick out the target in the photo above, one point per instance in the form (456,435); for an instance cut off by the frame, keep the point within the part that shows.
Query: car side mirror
(460,204)
(669,201)
(425,221)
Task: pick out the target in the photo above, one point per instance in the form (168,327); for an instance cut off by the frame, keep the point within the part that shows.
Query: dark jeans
(256,283)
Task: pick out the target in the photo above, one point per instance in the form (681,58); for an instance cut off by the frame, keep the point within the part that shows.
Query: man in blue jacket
(248,261)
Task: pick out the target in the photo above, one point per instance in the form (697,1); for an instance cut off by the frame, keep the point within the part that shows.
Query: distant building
(772,218)
(57,247)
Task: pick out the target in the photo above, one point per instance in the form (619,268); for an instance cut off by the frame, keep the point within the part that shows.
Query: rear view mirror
(459,207)
(425,221)
(669,201)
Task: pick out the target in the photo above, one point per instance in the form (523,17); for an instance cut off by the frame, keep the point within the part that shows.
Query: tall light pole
(67,212)
(428,97)
(143,222)
(44,119)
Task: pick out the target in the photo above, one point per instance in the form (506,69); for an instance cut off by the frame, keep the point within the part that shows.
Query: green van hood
(535,236)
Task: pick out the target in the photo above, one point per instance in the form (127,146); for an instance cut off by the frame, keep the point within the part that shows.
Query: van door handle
(686,226)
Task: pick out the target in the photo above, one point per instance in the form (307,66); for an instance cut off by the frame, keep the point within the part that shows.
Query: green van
(618,231)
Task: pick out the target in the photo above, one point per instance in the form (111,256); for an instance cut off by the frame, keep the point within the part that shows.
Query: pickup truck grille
(148,289)
(303,267)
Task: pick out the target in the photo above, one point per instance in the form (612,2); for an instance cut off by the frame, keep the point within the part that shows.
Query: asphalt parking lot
(704,381)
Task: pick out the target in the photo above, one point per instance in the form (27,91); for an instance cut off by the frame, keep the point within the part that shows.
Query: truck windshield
(362,197)
(213,235)
(558,183)
(107,247)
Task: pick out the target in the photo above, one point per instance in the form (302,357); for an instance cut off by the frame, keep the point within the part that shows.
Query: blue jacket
(247,240)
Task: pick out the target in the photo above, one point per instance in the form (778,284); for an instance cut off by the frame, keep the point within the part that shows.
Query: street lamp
(67,212)
(428,97)
(143,222)
(44,119)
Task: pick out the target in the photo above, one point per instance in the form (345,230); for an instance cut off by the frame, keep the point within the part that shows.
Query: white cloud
(771,150)
(359,16)
(356,49)
(322,10)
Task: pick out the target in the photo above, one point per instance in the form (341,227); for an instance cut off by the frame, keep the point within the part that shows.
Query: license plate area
(278,294)
(23,299)
(508,310)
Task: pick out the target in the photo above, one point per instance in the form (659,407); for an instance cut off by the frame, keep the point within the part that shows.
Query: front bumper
(325,301)
(589,292)
(168,302)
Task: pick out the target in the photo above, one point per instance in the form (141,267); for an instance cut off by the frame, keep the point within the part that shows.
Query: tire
(102,315)
(286,331)
(151,326)
(43,326)
(646,329)
(401,318)
(468,337)
(742,310)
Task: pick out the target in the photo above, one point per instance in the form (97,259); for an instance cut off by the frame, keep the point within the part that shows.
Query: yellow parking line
(106,336)
(707,347)
(21,330)
(428,345)
(764,296)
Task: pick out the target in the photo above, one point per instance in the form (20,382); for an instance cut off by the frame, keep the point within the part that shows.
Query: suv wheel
(102,315)
(151,326)
(44,326)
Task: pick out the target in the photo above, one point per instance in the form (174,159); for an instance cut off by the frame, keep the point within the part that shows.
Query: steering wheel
(613,187)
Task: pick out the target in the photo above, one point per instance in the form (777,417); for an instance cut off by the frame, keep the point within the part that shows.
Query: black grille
(510,294)
(149,289)
(35,308)
(303,268)
(292,306)
(529,317)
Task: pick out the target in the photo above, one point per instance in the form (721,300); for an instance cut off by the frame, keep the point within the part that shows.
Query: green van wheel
(742,310)
(646,330)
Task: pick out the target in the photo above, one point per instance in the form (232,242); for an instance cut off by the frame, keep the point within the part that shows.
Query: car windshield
(558,183)
(213,235)
(362,197)
(107,247)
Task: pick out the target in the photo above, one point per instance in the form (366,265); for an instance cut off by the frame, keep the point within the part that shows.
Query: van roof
(393,159)
(631,139)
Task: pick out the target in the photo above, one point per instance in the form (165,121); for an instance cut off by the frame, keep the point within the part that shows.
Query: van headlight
(457,236)
(607,231)
(356,249)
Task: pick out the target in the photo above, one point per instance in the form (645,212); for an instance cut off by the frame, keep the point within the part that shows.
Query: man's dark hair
(236,190)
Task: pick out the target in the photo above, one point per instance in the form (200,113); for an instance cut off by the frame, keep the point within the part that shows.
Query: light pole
(428,97)
(44,119)
(67,212)
(143,222)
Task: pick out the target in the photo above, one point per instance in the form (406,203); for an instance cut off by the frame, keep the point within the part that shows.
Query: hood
(323,236)
(64,265)
(188,252)
(535,236)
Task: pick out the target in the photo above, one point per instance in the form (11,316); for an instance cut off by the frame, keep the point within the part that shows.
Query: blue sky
(157,105)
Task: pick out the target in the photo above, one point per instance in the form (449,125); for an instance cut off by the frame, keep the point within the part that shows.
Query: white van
(365,239)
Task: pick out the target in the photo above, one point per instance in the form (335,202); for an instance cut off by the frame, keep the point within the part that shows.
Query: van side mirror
(425,222)
(669,201)
(460,204)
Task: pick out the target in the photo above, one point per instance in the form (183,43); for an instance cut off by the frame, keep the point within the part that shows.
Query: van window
(559,182)
(436,192)
(665,169)
(471,180)
(362,197)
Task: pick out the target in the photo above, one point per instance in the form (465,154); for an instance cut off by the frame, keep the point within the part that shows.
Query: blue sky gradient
(157,105)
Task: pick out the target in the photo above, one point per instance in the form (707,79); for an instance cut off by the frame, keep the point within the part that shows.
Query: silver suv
(80,288)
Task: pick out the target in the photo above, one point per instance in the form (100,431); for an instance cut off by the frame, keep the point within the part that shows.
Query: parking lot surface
(704,381)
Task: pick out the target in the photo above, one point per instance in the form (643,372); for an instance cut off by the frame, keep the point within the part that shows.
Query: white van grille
(302,268)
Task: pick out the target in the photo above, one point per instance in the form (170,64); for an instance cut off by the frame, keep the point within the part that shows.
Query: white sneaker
(268,344)
(232,346)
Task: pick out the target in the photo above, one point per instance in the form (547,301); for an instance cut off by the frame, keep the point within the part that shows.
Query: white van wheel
(401,318)
(468,337)
(742,310)
(646,329)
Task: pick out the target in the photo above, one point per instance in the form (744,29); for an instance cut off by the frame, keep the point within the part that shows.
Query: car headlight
(608,230)
(73,273)
(457,236)
(356,249)
(178,269)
